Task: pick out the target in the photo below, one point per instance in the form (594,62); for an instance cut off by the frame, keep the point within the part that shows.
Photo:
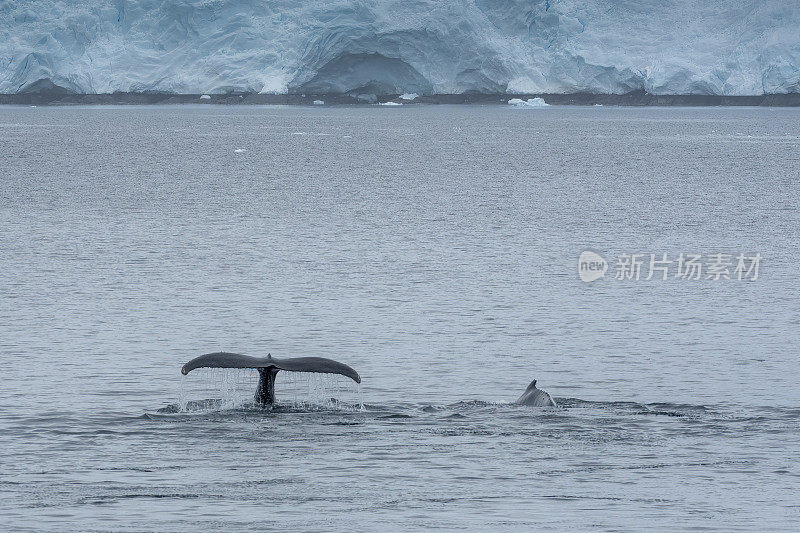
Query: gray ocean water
(434,249)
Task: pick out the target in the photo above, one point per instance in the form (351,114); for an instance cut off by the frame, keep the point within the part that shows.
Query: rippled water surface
(433,249)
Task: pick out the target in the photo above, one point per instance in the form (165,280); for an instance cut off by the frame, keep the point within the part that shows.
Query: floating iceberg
(409,96)
(390,47)
(390,103)
(530,102)
(319,102)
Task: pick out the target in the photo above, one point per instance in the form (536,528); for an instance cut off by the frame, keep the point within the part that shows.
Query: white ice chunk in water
(239,151)
(409,96)
(319,102)
(390,103)
(530,102)
(205,97)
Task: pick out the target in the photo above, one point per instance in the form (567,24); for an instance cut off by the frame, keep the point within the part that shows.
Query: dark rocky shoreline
(636,98)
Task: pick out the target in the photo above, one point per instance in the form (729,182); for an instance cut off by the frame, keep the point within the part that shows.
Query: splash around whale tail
(268,368)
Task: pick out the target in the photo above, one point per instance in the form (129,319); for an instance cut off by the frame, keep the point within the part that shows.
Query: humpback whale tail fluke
(268,367)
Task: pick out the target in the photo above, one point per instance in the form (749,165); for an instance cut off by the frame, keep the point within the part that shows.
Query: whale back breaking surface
(536,397)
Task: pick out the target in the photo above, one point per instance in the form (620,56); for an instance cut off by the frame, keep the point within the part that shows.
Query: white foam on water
(234,388)
(314,390)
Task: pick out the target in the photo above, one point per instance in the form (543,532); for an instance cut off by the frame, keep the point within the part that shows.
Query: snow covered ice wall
(722,47)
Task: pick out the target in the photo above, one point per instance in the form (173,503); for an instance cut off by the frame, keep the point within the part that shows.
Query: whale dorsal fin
(532,385)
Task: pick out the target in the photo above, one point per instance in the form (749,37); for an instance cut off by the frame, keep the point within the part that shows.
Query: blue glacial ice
(722,47)
(530,102)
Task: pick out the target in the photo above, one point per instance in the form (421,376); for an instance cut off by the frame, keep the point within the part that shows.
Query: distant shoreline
(635,99)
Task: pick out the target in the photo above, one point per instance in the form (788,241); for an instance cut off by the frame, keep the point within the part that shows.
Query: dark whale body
(268,368)
(535,397)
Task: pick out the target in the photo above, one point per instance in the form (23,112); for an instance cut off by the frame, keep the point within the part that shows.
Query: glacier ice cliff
(717,47)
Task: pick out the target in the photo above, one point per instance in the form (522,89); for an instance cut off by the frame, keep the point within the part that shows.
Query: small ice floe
(409,96)
(530,102)
(319,102)
(390,103)
(239,151)
(205,97)
(598,105)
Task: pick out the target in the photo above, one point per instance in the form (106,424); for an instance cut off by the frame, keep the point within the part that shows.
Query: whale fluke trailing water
(535,397)
(268,367)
